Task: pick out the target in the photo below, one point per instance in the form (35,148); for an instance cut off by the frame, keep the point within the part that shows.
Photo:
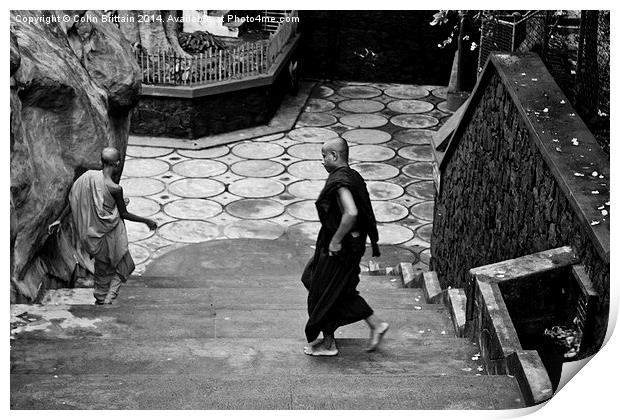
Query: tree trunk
(172,32)
(152,34)
(152,30)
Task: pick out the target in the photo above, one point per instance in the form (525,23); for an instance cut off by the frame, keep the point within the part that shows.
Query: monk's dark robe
(331,281)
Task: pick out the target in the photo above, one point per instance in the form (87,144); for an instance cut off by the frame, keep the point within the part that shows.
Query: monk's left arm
(349,217)
(52,228)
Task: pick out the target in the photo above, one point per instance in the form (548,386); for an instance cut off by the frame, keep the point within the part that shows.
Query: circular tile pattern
(144,167)
(306,189)
(423,211)
(143,206)
(410,106)
(375,171)
(303,210)
(364,120)
(256,188)
(199,168)
(366,136)
(381,190)
(414,121)
(257,168)
(425,232)
(316,119)
(393,234)
(311,169)
(147,152)
(258,150)
(255,208)
(419,170)
(371,153)
(386,211)
(141,186)
(406,92)
(312,134)
(196,188)
(139,254)
(209,153)
(441,92)
(414,136)
(422,189)
(137,231)
(192,208)
(415,152)
(359,92)
(324,91)
(305,230)
(361,105)
(189,231)
(319,105)
(256,229)
(443,107)
(310,151)
(270,137)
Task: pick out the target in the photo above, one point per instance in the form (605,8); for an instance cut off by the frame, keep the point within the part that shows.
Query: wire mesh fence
(573,45)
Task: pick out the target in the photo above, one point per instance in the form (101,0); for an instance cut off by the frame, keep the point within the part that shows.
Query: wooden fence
(244,60)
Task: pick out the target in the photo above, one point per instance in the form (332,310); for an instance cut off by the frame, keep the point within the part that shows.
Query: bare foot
(376,335)
(321,350)
(314,343)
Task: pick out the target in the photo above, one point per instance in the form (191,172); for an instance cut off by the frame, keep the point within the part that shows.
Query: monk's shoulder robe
(331,281)
(329,210)
(98,225)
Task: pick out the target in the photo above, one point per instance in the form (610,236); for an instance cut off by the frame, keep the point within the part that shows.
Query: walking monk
(98,207)
(332,274)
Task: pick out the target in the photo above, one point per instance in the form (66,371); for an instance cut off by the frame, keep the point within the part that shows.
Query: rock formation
(73,85)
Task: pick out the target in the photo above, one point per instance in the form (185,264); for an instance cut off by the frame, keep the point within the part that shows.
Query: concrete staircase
(222,342)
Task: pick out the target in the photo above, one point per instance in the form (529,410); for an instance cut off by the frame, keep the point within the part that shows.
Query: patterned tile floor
(265,187)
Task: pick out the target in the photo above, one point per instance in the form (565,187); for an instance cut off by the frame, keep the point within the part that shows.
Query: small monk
(98,209)
(332,274)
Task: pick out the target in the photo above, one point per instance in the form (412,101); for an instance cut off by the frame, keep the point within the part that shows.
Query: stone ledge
(456,303)
(411,278)
(490,323)
(527,367)
(284,120)
(526,265)
(495,332)
(431,287)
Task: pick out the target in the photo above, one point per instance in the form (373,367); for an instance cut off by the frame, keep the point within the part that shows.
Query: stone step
(260,297)
(228,357)
(204,321)
(196,391)
(367,282)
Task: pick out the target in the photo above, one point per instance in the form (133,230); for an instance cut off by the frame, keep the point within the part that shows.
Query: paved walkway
(265,188)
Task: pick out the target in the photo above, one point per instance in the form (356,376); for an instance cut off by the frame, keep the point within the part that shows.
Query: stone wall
(192,118)
(389,46)
(499,198)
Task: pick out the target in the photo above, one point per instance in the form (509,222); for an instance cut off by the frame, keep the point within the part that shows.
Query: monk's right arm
(349,217)
(117,193)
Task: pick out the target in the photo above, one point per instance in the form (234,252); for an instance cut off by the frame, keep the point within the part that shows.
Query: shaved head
(110,156)
(338,145)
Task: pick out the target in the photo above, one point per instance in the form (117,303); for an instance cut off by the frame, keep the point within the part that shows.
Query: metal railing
(245,60)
